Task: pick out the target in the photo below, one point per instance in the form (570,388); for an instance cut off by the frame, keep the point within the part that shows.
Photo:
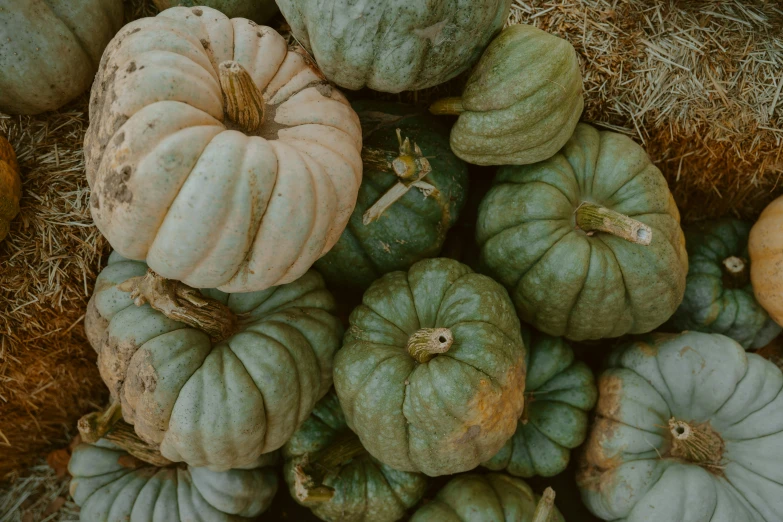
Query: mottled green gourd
(431,374)
(488,498)
(521,103)
(689,428)
(588,242)
(257,10)
(413,188)
(559,393)
(329,471)
(394,45)
(718,293)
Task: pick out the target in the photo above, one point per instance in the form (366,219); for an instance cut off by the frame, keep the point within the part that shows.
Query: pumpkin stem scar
(310,473)
(735,272)
(242,99)
(594,218)
(697,443)
(410,166)
(182,303)
(448,107)
(426,343)
(545,507)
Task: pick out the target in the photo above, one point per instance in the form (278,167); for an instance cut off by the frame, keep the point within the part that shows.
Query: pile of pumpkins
(241,192)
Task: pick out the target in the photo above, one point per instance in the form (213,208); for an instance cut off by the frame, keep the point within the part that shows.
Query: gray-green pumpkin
(329,471)
(110,485)
(394,45)
(718,293)
(431,374)
(588,242)
(522,101)
(559,392)
(384,235)
(257,10)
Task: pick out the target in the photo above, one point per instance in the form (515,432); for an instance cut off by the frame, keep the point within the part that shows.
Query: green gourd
(413,188)
(689,428)
(588,242)
(488,498)
(521,103)
(394,45)
(257,10)
(718,294)
(329,471)
(431,374)
(559,393)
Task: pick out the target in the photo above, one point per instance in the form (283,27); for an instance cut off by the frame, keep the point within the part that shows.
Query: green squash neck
(697,443)
(736,272)
(592,218)
(310,472)
(426,343)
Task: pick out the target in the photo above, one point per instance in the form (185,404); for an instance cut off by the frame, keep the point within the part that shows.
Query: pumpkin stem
(448,106)
(243,100)
(735,272)
(409,165)
(310,473)
(426,343)
(594,218)
(545,507)
(182,303)
(697,443)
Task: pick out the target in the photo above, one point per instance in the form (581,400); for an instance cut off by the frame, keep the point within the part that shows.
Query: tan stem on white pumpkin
(545,507)
(182,303)
(697,443)
(735,272)
(594,218)
(311,471)
(243,100)
(448,106)
(426,343)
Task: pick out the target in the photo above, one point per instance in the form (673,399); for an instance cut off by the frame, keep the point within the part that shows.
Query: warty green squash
(213,379)
(431,373)
(413,188)
(588,242)
(689,428)
(257,10)
(718,293)
(329,471)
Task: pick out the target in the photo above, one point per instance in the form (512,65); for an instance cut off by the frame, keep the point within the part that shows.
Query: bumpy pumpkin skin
(559,392)
(257,10)
(111,486)
(364,488)
(522,101)
(174,184)
(415,226)
(393,45)
(563,281)
(10,186)
(630,470)
(492,498)
(453,412)
(766,252)
(220,404)
(717,300)
(49,51)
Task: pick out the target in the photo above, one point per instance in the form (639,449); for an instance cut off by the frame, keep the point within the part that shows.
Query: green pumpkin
(486,498)
(205,400)
(431,374)
(521,103)
(567,237)
(689,428)
(257,10)
(110,485)
(352,486)
(559,391)
(415,225)
(718,294)
(394,45)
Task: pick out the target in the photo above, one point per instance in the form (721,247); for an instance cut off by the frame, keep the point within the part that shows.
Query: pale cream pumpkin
(765,246)
(216,154)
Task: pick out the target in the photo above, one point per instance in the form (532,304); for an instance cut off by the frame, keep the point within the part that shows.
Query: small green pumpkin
(718,294)
(329,471)
(689,428)
(391,233)
(488,498)
(431,374)
(588,242)
(559,391)
(257,10)
(521,103)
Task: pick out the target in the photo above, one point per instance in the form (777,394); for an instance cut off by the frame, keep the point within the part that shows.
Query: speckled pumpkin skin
(10,186)
(394,45)
(765,246)
(365,489)
(627,472)
(415,226)
(49,50)
(457,410)
(487,498)
(564,282)
(559,393)
(257,10)
(712,303)
(111,486)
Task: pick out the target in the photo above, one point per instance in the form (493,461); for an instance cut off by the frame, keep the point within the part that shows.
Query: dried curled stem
(426,343)
(545,507)
(594,218)
(697,443)
(447,106)
(311,471)
(242,99)
(736,272)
